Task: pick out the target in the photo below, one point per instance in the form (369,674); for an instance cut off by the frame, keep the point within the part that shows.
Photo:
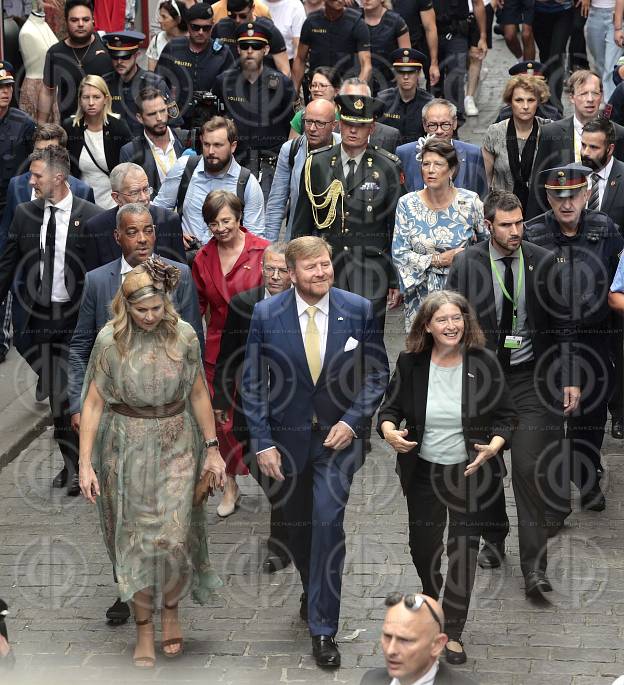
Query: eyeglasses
(124,57)
(135,194)
(413,603)
(250,45)
(433,126)
(315,122)
(206,28)
(270,270)
(239,15)
(319,86)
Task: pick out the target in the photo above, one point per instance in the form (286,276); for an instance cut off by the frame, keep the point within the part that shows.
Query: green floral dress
(147,468)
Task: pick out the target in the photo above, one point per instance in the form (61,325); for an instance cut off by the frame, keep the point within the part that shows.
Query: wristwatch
(213,442)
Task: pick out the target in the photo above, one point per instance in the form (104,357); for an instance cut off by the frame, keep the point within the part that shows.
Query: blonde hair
(98,83)
(534,84)
(304,248)
(124,327)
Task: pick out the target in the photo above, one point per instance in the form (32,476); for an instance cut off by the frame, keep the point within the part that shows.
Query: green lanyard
(516,299)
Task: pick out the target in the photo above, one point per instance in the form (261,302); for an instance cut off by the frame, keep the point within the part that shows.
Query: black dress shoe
(325,651)
(491,554)
(275,562)
(73,489)
(60,480)
(303,609)
(119,613)
(455,658)
(536,583)
(593,500)
(617,427)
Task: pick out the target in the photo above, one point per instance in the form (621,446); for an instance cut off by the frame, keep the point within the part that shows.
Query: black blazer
(486,405)
(613,197)
(556,148)
(116,134)
(548,321)
(139,152)
(101,247)
(231,356)
(20,260)
(444,676)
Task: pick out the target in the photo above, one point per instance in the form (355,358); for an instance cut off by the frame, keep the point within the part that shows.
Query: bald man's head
(322,113)
(411,638)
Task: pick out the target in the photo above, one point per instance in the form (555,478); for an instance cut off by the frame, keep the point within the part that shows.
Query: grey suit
(100,287)
(444,676)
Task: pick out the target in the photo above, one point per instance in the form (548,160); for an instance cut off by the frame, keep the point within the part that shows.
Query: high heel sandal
(143,661)
(172,641)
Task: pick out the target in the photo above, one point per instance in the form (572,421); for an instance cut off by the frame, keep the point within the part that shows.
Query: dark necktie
(592,203)
(506,321)
(351,173)
(45,291)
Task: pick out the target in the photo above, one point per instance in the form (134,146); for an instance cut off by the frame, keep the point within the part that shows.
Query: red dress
(215,291)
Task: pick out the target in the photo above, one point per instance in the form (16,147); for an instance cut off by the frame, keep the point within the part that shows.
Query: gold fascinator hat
(152,277)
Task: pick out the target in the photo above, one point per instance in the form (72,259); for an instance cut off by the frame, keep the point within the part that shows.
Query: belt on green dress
(162,411)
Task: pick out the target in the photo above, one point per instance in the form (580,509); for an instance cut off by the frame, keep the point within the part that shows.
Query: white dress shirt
(63,212)
(578,132)
(427,679)
(125,268)
(320,318)
(603,175)
(164,159)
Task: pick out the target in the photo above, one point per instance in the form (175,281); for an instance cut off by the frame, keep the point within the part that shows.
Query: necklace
(80,62)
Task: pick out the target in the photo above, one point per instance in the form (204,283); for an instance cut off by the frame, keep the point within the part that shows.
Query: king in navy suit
(315,371)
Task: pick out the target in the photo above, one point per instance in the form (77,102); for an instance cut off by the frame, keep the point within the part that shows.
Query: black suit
(49,329)
(444,676)
(227,376)
(101,247)
(139,152)
(556,148)
(537,438)
(433,489)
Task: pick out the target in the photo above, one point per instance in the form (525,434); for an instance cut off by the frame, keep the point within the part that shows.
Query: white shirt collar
(578,127)
(427,679)
(154,147)
(125,267)
(302,305)
(64,205)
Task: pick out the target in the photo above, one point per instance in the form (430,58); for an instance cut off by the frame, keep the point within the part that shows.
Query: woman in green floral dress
(145,416)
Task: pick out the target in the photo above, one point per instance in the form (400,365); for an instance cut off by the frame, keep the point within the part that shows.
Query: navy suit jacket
(100,287)
(471,173)
(19,191)
(139,152)
(279,396)
(101,247)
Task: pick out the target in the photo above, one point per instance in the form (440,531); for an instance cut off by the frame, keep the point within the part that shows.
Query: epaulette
(321,149)
(389,155)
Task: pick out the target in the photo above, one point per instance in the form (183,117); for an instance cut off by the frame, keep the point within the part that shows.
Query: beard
(153,130)
(216,165)
(595,165)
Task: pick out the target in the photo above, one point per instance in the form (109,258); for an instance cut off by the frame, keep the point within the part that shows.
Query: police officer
(260,102)
(348,195)
(16,132)
(129,79)
(545,110)
(190,65)
(587,245)
(403,103)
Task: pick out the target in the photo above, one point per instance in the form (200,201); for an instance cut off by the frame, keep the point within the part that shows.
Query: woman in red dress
(228,264)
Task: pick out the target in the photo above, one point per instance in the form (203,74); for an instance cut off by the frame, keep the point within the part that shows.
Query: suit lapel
(487,310)
(420,381)
(614,183)
(290,322)
(114,280)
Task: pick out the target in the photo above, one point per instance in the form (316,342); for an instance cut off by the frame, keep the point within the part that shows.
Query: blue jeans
(603,51)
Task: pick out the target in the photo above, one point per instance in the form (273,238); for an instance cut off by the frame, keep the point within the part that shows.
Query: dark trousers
(278,535)
(50,333)
(453,56)
(552,31)
(616,402)
(314,503)
(433,491)
(536,445)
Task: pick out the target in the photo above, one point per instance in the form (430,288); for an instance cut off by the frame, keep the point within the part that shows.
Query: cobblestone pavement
(56,577)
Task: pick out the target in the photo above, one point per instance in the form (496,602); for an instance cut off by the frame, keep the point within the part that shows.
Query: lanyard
(515,299)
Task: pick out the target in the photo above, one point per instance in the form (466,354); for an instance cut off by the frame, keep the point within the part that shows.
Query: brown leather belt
(162,412)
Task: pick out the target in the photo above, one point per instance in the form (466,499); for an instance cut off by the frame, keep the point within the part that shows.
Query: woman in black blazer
(451,393)
(94,138)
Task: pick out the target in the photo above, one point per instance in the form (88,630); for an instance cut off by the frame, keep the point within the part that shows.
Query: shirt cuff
(266,449)
(349,427)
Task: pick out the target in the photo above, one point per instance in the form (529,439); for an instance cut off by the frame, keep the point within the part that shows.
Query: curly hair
(534,84)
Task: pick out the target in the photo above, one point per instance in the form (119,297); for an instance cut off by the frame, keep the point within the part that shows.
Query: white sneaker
(470,109)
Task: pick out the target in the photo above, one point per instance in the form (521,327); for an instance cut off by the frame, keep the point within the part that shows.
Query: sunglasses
(238,15)
(206,28)
(123,57)
(413,603)
(247,45)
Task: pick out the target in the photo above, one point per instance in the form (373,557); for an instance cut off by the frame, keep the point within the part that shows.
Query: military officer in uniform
(545,110)
(190,66)
(403,104)
(129,79)
(260,102)
(348,196)
(587,245)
